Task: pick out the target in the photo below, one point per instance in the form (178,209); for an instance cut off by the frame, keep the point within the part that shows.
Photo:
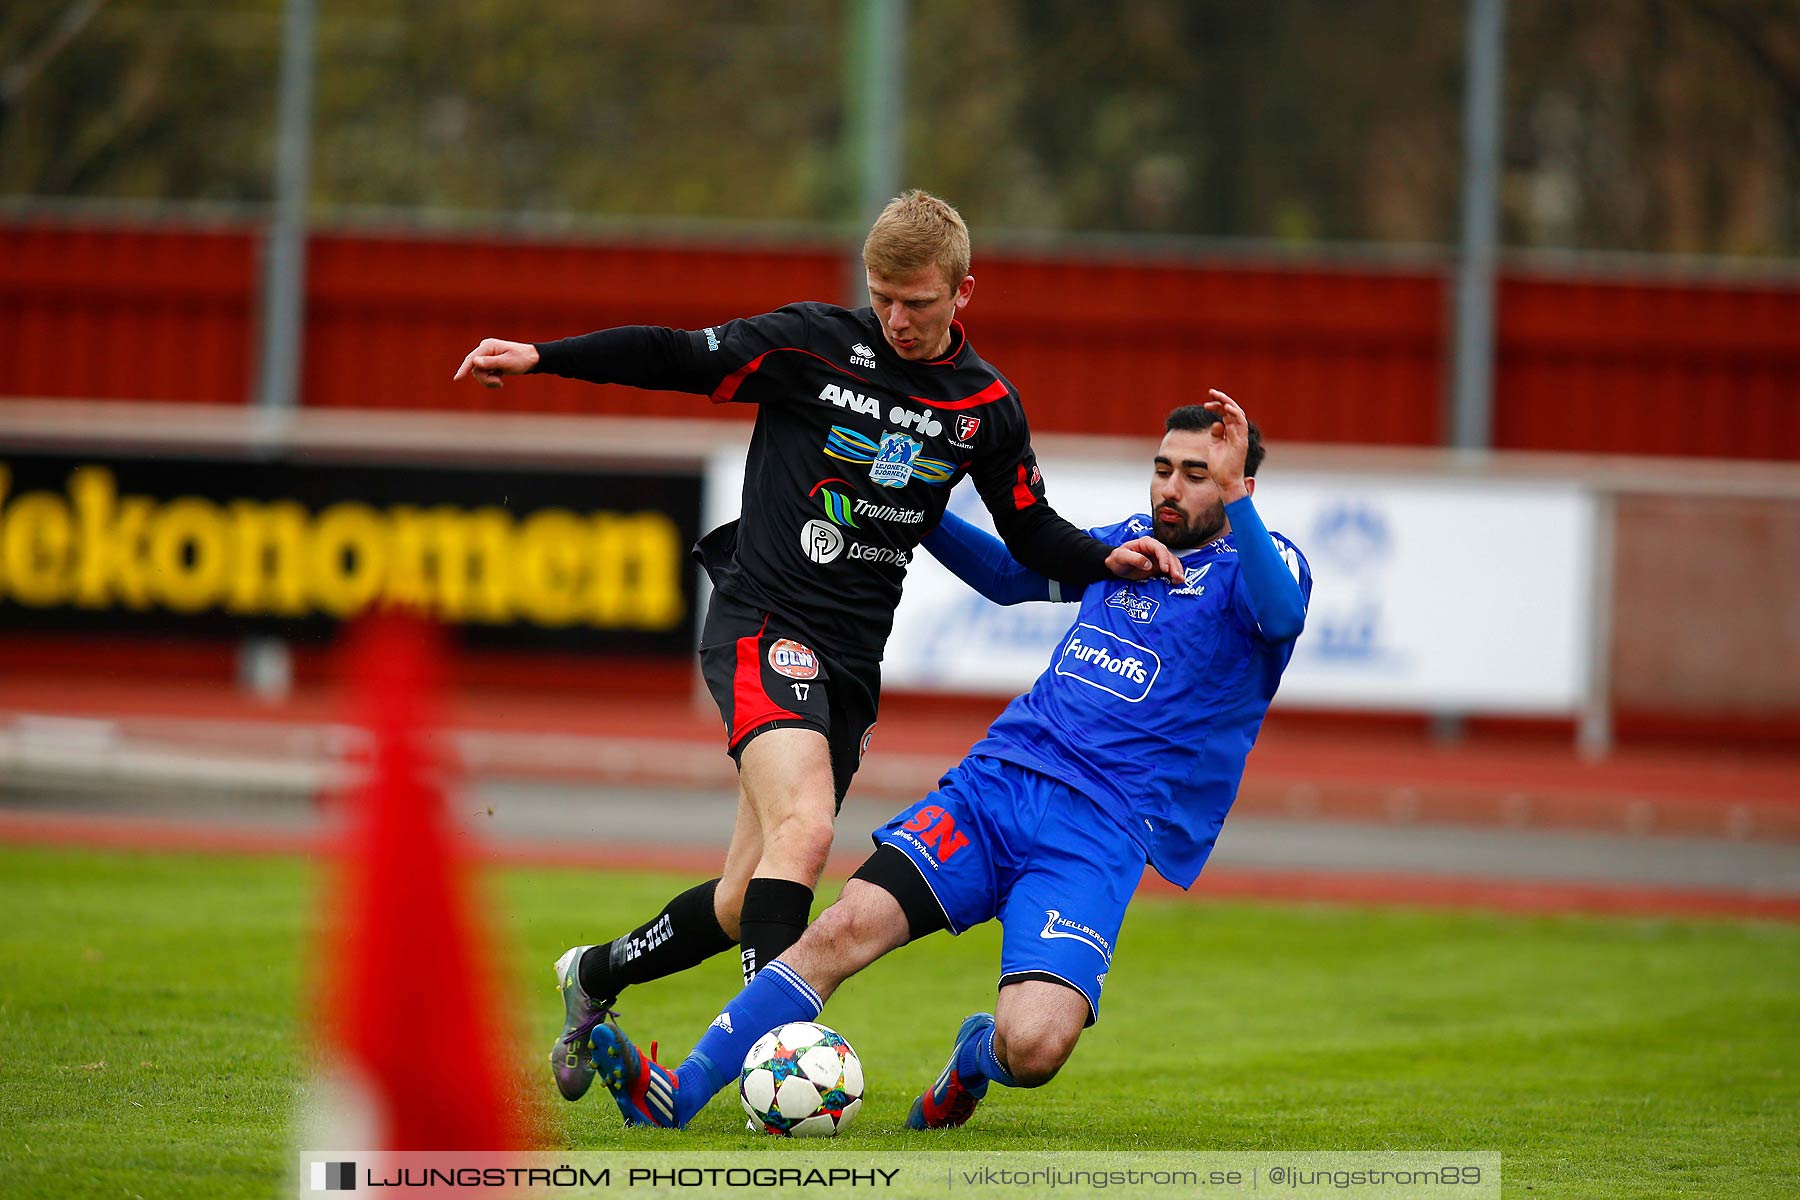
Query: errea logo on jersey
(1104,660)
(862,356)
(922,423)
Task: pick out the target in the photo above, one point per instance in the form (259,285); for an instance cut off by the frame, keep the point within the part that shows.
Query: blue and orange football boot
(951,1101)
(644,1090)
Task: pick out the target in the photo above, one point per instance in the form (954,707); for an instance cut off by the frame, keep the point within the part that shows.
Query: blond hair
(914,231)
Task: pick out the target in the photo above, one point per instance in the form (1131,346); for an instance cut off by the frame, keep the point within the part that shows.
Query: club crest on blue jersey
(1139,608)
(1104,660)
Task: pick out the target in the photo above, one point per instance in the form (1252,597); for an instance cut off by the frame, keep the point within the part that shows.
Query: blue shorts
(999,840)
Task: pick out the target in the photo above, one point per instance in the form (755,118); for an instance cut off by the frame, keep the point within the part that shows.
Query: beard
(1189,533)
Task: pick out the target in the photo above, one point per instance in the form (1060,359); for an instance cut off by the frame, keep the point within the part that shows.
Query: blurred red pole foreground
(410,1024)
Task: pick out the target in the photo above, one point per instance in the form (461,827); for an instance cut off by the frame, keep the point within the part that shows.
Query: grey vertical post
(284,260)
(1471,399)
(1594,729)
(874,102)
(265,666)
(1472,386)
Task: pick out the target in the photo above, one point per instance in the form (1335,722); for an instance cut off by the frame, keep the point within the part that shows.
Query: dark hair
(1194,417)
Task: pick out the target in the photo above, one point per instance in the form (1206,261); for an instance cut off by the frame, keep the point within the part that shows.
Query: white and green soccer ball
(801,1080)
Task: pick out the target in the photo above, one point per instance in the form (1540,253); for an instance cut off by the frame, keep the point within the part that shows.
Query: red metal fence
(1319,353)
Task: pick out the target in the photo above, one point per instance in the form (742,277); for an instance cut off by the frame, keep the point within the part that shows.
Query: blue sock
(776,996)
(976,1061)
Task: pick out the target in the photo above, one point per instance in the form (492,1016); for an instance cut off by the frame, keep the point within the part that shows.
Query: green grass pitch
(151,1039)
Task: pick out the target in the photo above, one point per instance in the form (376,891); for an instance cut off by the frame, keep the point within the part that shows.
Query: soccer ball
(801,1080)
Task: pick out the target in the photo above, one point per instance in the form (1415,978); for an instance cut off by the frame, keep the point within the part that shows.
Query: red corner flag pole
(409,1002)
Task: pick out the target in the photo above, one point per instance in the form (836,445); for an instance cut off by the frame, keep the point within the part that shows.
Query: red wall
(127,314)
(1638,368)
(1319,353)
(389,319)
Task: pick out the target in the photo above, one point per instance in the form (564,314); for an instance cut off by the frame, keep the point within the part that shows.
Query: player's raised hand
(1143,558)
(1229,444)
(494,358)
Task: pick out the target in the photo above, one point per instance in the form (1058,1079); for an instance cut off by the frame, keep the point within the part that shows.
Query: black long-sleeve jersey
(851,461)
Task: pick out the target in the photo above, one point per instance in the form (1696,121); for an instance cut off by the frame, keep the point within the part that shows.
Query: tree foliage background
(1642,125)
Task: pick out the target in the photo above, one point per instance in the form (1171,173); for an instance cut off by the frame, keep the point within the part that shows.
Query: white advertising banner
(1429,593)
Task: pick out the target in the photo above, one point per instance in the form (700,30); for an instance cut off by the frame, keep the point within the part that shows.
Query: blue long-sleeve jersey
(1153,698)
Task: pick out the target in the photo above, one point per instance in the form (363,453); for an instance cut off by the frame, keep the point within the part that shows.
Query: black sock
(684,934)
(774,917)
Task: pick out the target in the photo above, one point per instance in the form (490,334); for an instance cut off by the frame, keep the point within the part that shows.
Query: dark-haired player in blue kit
(1127,750)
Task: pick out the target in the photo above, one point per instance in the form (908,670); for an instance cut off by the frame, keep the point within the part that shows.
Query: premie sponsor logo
(880,555)
(824,543)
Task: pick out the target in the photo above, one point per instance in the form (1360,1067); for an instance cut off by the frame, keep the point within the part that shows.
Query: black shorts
(764,673)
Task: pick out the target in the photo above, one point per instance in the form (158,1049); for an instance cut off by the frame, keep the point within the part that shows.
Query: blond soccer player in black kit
(866,418)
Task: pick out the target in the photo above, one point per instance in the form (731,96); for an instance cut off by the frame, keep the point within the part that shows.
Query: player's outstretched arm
(1273,590)
(1037,536)
(984,563)
(646,356)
